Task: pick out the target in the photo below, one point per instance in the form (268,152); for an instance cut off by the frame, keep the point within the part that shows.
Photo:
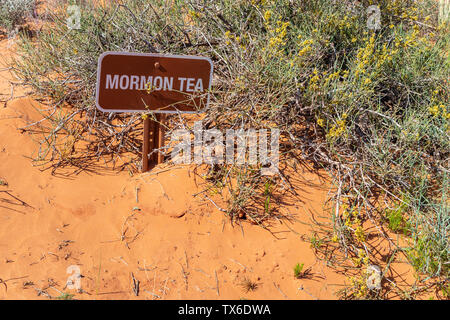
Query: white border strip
(123,53)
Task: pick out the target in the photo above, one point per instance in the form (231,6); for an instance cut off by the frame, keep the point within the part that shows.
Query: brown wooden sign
(137,82)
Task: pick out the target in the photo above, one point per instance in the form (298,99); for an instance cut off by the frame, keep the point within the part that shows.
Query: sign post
(152,83)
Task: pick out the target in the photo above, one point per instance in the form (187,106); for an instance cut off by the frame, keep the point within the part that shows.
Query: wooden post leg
(161,118)
(146,145)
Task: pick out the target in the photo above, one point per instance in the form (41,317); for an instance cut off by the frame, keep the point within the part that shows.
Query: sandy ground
(149,228)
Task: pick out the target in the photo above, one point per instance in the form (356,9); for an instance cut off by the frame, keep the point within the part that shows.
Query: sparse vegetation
(369,107)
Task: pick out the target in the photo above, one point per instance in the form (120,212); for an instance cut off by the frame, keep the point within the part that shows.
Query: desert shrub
(369,106)
(14,12)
